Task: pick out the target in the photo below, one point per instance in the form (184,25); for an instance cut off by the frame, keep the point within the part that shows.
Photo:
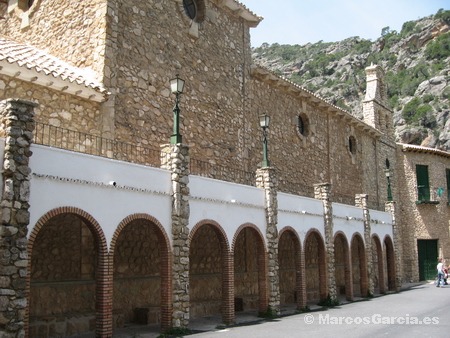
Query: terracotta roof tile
(26,56)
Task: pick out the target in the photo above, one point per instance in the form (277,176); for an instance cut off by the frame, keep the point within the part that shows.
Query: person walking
(440,272)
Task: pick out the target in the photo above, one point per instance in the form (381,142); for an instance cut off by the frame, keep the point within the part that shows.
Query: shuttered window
(423,183)
(448,185)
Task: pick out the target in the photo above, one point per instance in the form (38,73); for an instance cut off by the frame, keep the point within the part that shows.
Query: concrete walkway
(213,323)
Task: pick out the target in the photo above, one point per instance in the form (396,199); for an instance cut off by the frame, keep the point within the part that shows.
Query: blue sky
(303,21)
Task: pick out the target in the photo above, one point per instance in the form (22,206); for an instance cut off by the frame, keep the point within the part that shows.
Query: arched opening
(378,266)
(290,270)
(315,269)
(359,267)
(67,255)
(390,264)
(343,275)
(141,274)
(209,272)
(250,271)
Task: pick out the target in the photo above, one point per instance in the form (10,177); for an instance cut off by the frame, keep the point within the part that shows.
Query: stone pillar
(266,179)
(390,207)
(361,202)
(175,157)
(322,192)
(17,126)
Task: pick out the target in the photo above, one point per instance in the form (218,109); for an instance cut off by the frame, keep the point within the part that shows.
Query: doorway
(428,255)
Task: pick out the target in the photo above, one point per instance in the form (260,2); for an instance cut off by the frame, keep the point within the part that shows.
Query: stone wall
(423,221)
(62,288)
(148,42)
(137,282)
(55,108)
(16,125)
(205,279)
(287,254)
(72,31)
(246,269)
(312,269)
(340,260)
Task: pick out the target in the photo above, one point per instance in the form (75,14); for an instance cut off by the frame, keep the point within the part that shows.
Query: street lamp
(387,172)
(264,121)
(176,87)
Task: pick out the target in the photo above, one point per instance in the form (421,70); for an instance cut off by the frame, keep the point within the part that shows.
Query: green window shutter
(447,171)
(423,183)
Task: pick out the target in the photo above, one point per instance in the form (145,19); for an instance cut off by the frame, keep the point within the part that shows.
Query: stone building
(104,223)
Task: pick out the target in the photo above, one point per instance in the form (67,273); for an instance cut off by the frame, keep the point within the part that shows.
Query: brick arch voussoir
(342,235)
(252,226)
(223,239)
(357,236)
(100,240)
(316,233)
(161,233)
(378,242)
(91,223)
(388,240)
(288,230)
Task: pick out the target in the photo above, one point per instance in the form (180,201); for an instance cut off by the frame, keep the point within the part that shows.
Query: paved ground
(357,319)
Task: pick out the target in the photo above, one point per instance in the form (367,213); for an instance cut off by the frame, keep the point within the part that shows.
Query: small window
(352,145)
(25,5)
(447,172)
(3,8)
(423,183)
(194,9)
(302,125)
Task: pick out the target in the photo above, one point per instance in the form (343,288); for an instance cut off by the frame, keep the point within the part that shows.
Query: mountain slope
(417,65)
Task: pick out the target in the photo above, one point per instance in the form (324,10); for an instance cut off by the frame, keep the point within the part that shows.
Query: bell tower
(375,104)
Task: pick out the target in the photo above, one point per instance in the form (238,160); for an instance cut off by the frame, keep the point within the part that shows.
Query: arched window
(352,145)
(302,125)
(25,4)
(194,9)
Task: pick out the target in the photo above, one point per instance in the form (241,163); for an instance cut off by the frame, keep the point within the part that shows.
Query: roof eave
(268,76)
(240,10)
(47,80)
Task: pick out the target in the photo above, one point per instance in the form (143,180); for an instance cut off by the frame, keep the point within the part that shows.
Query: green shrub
(409,110)
(439,48)
(428,98)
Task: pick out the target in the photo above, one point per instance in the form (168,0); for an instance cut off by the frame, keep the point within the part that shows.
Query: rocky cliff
(417,65)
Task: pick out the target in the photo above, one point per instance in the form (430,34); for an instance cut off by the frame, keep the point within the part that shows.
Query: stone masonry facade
(133,48)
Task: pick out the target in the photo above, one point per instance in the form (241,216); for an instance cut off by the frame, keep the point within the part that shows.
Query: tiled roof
(420,149)
(240,9)
(34,65)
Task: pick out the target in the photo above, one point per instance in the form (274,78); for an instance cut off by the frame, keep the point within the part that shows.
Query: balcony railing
(62,138)
(296,188)
(206,169)
(76,141)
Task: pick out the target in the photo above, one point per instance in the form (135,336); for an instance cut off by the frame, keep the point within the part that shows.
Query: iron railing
(296,188)
(80,142)
(206,169)
(62,138)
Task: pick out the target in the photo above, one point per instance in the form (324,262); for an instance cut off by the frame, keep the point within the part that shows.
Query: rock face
(415,68)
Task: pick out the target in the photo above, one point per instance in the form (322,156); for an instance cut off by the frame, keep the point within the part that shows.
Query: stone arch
(359,266)
(291,268)
(250,269)
(315,266)
(378,265)
(343,267)
(211,272)
(141,271)
(84,232)
(390,263)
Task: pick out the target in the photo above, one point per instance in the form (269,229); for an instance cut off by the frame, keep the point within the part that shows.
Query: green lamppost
(176,87)
(387,172)
(264,121)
